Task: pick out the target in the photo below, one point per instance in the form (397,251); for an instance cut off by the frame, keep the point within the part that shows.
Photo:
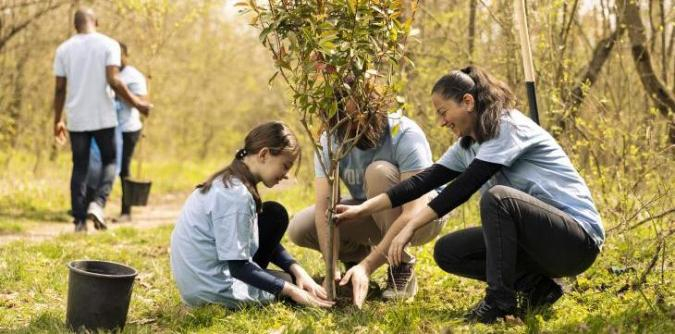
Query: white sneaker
(401,282)
(96,214)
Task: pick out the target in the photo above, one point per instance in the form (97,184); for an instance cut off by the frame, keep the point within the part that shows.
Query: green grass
(33,292)
(34,276)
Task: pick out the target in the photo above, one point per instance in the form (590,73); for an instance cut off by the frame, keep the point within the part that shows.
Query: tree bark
(15,29)
(472,28)
(657,91)
(601,53)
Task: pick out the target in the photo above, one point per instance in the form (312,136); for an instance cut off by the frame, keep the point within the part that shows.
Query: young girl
(226,237)
(537,215)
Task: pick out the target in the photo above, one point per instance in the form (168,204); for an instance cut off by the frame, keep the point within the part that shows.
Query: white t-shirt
(82,60)
(128,117)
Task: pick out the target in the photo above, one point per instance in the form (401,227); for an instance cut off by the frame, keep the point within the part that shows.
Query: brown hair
(371,117)
(276,136)
(491,97)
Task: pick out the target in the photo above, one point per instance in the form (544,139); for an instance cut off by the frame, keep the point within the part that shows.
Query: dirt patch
(161,210)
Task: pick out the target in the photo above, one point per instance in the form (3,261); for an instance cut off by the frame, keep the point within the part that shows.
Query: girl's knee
(275,211)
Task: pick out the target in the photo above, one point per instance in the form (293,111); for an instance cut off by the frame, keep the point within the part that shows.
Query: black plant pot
(99,293)
(136,192)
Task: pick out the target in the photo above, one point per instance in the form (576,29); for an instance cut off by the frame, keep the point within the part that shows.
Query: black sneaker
(487,313)
(80,226)
(543,295)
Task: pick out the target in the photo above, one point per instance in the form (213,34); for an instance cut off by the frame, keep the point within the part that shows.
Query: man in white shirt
(86,67)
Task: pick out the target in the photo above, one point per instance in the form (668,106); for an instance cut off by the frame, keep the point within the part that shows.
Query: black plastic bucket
(99,293)
(136,192)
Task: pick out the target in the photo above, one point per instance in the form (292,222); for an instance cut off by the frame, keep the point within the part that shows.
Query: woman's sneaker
(546,292)
(80,226)
(96,214)
(401,282)
(487,313)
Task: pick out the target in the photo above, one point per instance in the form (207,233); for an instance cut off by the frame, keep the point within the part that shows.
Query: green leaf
(395,129)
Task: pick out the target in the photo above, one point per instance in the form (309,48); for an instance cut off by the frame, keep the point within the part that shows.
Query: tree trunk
(472,28)
(573,99)
(657,91)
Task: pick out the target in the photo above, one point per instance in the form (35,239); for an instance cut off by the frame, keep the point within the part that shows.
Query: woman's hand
(399,243)
(303,297)
(348,212)
(358,275)
(305,282)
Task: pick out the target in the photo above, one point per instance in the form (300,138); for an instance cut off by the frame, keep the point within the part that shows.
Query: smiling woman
(538,219)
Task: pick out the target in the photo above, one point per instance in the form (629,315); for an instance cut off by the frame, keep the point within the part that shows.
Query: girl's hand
(347,212)
(398,245)
(358,275)
(303,297)
(305,282)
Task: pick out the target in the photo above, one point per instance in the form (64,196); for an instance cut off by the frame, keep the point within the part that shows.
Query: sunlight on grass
(33,281)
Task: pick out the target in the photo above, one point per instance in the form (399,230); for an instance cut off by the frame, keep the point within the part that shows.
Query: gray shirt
(533,163)
(404,145)
(213,228)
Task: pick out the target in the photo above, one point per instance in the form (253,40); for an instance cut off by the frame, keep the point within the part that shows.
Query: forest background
(605,75)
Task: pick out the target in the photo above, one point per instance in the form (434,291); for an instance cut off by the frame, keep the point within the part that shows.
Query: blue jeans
(81,145)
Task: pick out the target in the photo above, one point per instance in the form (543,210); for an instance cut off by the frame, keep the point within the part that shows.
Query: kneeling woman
(538,220)
(225,236)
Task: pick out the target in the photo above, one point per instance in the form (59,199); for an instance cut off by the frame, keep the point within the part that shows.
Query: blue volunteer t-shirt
(213,228)
(533,163)
(406,148)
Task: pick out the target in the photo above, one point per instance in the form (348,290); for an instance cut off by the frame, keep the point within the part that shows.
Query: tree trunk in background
(573,99)
(657,91)
(472,28)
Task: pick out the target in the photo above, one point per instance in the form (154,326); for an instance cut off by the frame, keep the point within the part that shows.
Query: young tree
(340,59)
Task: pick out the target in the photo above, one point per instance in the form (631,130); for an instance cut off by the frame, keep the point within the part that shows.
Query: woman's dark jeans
(521,240)
(129,141)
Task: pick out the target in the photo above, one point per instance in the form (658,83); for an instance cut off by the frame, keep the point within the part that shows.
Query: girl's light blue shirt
(213,228)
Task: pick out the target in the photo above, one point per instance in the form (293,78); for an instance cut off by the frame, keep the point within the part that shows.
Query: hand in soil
(303,297)
(305,282)
(359,279)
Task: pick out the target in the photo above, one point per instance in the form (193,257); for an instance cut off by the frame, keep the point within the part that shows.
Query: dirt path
(161,210)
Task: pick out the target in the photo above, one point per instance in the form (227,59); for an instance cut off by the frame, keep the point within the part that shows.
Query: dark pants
(129,141)
(80,146)
(272,224)
(522,240)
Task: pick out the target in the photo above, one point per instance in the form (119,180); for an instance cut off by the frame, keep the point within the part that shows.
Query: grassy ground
(33,277)
(33,290)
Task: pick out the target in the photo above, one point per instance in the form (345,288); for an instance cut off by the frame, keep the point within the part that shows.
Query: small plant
(341,60)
